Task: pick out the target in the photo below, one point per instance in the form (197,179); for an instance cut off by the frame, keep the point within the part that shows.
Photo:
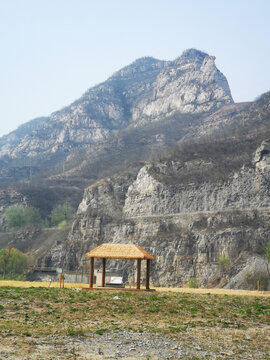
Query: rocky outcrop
(190,84)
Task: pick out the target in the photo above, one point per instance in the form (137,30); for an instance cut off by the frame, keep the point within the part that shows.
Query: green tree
(61,213)
(32,216)
(18,216)
(15,216)
(5,255)
(12,262)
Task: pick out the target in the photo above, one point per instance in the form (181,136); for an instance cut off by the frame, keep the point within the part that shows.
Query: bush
(193,283)
(61,213)
(18,216)
(62,225)
(13,263)
(251,279)
(224,265)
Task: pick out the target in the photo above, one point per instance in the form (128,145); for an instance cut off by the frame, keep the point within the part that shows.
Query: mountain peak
(193,53)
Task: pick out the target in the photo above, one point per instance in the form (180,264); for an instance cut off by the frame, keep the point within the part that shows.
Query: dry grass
(43,284)
(218,291)
(231,292)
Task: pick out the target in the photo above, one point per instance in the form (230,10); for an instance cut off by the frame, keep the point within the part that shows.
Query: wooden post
(147,274)
(103,272)
(138,274)
(91,272)
(258,285)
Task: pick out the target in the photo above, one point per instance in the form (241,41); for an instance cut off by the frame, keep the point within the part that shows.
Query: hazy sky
(52,51)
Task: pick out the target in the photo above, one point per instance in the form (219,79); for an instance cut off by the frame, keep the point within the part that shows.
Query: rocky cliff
(207,198)
(187,226)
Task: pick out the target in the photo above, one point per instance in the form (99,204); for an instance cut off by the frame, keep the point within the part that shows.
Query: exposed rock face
(190,84)
(146,196)
(187,228)
(148,89)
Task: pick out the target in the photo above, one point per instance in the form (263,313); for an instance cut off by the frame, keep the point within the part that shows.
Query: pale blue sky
(52,51)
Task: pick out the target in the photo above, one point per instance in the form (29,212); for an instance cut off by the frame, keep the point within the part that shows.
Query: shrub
(251,279)
(224,265)
(193,283)
(62,225)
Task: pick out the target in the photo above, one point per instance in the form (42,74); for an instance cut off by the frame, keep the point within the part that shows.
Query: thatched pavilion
(119,251)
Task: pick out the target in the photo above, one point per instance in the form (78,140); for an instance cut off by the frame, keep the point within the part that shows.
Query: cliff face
(186,227)
(190,84)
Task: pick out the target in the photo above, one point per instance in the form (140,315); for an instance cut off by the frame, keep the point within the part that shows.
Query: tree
(5,255)
(252,277)
(12,262)
(15,216)
(32,216)
(61,213)
(18,216)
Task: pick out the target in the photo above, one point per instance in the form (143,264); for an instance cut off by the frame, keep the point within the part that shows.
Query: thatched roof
(119,251)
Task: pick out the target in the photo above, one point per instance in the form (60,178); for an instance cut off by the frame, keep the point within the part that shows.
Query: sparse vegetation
(252,278)
(193,283)
(224,265)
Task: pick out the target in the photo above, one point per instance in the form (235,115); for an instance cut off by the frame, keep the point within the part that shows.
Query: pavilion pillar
(103,272)
(138,274)
(147,274)
(91,272)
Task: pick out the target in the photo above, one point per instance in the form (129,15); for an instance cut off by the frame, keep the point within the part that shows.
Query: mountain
(139,111)
(147,90)
(160,155)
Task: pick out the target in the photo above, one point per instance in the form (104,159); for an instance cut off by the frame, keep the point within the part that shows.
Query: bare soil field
(42,322)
